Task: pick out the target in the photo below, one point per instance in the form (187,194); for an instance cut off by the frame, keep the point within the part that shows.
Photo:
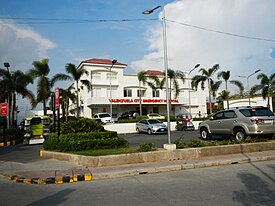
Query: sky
(198,31)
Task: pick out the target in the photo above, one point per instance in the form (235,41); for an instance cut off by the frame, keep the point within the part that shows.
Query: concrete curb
(159,156)
(50,180)
(98,175)
(50,177)
(9,143)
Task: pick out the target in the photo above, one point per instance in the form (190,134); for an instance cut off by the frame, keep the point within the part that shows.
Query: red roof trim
(102,61)
(155,72)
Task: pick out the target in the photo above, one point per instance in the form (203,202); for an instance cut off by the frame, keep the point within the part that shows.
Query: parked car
(129,115)
(240,122)
(155,116)
(184,125)
(103,117)
(151,126)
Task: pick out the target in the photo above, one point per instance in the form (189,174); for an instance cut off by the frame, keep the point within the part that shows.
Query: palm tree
(267,85)
(173,77)
(222,96)
(226,76)
(41,71)
(206,76)
(76,76)
(14,83)
(67,96)
(144,78)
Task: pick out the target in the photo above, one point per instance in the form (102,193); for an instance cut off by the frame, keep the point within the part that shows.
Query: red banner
(57,98)
(4,109)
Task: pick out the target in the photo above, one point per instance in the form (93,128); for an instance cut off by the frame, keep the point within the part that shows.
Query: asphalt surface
(24,163)
(250,184)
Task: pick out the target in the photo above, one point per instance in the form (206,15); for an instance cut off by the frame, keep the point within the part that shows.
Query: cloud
(188,46)
(21,45)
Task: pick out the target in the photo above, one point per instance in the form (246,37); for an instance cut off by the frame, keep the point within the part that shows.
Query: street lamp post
(189,89)
(247,79)
(149,11)
(110,76)
(7,65)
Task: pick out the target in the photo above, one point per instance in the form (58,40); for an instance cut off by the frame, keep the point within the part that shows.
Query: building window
(114,92)
(96,92)
(142,93)
(155,93)
(96,75)
(113,75)
(127,93)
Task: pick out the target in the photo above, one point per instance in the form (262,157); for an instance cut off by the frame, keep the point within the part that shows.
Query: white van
(103,117)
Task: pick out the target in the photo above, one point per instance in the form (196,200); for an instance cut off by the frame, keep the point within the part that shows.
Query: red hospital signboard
(57,98)
(4,109)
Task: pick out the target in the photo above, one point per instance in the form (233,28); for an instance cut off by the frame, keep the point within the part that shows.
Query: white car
(151,126)
(103,117)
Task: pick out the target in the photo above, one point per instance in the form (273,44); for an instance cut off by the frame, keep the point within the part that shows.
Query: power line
(67,21)
(221,32)
(81,21)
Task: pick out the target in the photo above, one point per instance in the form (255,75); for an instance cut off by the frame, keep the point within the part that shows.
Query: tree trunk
(210,102)
(77,101)
(140,106)
(268,99)
(44,107)
(227,96)
(11,119)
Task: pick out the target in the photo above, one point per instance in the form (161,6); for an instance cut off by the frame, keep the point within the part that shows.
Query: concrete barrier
(158,156)
(122,128)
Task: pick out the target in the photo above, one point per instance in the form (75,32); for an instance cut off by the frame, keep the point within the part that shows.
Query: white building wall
(99,101)
(256,101)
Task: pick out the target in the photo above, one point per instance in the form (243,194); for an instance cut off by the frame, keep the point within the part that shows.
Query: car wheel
(149,131)
(239,134)
(137,130)
(204,133)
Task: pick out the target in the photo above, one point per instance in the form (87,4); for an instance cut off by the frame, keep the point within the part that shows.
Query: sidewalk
(150,168)
(67,172)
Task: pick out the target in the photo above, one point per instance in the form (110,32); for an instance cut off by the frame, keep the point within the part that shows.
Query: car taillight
(256,121)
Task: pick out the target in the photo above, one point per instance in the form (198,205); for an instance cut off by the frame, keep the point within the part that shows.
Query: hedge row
(84,141)
(11,134)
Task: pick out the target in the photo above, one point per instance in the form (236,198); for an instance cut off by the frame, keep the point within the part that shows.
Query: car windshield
(104,115)
(256,112)
(153,115)
(153,121)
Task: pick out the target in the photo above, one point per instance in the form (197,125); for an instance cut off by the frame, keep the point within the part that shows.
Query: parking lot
(135,139)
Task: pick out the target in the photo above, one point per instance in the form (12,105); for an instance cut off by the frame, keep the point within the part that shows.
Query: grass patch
(103,152)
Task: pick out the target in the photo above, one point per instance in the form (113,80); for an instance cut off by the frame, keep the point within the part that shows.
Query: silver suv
(239,122)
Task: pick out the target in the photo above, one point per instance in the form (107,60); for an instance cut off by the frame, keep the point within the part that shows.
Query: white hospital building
(105,76)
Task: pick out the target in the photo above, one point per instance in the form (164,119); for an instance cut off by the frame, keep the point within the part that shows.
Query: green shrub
(51,143)
(81,125)
(226,142)
(196,143)
(134,120)
(84,141)
(213,143)
(146,147)
(180,143)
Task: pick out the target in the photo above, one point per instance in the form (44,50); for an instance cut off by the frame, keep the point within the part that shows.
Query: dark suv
(240,122)
(129,115)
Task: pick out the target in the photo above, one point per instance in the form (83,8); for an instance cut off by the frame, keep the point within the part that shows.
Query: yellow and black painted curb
(51,180)
(9,143)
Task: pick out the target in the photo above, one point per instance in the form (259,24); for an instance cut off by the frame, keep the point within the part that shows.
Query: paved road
(244,184)
(159,139)
(30,153)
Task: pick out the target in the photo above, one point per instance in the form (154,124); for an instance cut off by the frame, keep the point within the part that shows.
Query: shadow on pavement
(55,199)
